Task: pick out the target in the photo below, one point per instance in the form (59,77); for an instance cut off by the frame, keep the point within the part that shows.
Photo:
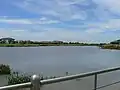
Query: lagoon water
(60,59)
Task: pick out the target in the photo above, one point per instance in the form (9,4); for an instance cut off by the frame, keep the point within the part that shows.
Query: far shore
(111,46)
(103,46)
(37,45)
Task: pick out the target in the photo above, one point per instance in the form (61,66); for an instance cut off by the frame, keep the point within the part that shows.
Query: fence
(36,83)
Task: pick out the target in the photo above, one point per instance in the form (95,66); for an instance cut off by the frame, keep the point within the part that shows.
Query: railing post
(95,82)
(35,80)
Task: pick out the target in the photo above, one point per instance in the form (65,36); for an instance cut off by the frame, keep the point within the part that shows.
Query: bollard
(35,80)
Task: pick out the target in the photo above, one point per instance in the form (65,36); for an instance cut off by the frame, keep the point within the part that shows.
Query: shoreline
(111,47)
(106,46)
(38,45)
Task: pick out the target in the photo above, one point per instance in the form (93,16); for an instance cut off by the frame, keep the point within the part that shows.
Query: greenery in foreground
(18,78)
(4,69)
(15,78)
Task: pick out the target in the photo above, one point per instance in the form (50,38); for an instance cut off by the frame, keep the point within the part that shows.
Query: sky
(67,20)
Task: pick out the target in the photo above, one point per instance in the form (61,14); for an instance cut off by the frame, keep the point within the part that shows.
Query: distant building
(57,42)
(7,40)
(51,41)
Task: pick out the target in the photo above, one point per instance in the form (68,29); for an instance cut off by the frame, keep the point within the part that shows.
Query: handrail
(65,78)
(35,79)
(23,85)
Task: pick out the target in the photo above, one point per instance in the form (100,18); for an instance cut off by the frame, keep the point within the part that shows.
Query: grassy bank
(111,46)
(19,45)
(18,78)
(15,78)
(37,45)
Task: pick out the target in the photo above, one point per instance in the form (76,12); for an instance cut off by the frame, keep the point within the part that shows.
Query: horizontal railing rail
(65,78)
(36,83)
(23,85)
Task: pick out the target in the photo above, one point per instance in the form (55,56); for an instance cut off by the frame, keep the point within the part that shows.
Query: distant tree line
(11,42)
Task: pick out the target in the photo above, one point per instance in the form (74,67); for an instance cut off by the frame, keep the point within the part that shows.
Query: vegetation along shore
(17,78)
(10,42)
(112,45)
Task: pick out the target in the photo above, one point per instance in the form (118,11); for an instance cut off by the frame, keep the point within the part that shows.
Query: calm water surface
(58,60)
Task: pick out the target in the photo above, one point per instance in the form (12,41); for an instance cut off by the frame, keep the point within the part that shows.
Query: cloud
(15,21)
(9,16)
(42,20)
(94,31)
(67,10)
(71,20)
(111,5)
(111,25)
(81,16)
(57,34)
(69,2)
(18,30)
(47,34)
(62,9)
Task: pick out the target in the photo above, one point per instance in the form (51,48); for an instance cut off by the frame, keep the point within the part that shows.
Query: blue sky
(67,20)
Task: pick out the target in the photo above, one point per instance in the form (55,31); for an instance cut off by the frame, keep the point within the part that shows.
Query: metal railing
(36,83)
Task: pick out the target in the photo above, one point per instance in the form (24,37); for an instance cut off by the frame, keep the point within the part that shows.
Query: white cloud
(112,5)
(3,16)
(81,16)
(18,30)
(63,9)
(15,21)
(107,26)
(47,34)
(57,34)
(94,31)
(67,10)
(72,9)
(42,20)
(48,22)
(113,24)
(69,2)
